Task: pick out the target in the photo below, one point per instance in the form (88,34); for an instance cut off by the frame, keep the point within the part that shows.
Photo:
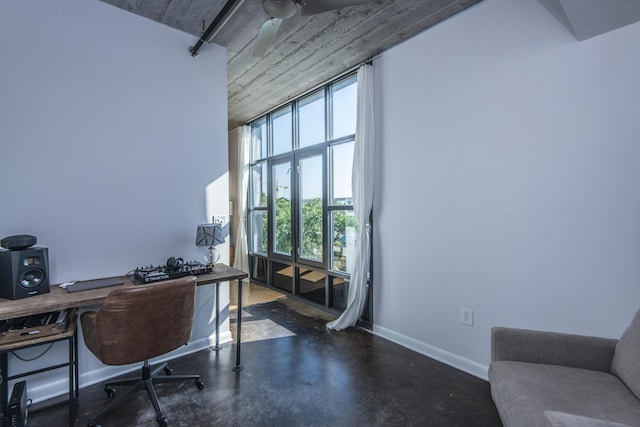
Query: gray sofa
(551,379)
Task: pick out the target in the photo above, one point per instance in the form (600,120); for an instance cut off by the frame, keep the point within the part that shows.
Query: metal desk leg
(238,366)
(75,363)
(217,346)
(4,386)
(72,381)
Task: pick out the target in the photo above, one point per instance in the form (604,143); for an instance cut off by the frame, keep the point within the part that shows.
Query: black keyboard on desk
(85,285)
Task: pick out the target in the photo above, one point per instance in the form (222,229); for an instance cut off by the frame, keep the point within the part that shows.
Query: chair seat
(523,391)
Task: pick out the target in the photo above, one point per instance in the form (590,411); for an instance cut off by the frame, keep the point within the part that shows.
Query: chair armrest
(552,348)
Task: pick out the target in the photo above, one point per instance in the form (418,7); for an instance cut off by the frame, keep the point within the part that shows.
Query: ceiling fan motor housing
(281,9)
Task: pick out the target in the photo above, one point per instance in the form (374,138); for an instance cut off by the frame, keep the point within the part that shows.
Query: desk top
(60,299)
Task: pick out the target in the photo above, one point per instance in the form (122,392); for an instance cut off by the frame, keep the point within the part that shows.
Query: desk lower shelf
(69,335)
(20,338)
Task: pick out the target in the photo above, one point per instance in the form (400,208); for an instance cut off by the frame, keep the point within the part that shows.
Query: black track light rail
(218,22)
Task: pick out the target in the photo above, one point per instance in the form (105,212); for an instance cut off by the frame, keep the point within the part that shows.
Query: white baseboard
(465,365)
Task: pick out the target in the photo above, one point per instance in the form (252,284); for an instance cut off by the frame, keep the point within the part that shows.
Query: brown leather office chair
(135,324)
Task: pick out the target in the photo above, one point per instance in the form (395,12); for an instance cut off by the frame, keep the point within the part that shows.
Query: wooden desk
(59,299)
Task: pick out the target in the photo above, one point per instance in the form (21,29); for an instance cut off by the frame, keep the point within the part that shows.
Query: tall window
(302,225)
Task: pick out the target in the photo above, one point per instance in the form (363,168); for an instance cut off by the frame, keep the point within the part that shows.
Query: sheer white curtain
(241,261)
(362,188)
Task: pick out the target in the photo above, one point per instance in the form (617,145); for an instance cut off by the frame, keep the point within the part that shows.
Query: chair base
(146,381)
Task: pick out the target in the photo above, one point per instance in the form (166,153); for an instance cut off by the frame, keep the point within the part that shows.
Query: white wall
(112,146)
(508,171)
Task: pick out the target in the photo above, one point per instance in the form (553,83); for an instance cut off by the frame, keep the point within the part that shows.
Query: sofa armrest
(552,348)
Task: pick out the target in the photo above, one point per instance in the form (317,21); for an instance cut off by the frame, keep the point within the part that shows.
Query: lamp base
(214,256)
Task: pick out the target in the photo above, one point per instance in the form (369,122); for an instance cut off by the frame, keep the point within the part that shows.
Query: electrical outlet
(467,317)
(220,219)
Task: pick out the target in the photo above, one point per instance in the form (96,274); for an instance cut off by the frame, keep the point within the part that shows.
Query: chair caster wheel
(200,384)
(162,421)
(168,371)
(110,391)
(94,425)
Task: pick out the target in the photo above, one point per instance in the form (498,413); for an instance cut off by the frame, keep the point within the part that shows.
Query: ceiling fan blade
(312,7)
(266,35)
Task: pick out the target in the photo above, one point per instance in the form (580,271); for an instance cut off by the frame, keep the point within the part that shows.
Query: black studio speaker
(24,272)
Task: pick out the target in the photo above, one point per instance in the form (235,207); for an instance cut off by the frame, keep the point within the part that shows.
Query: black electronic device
(19,241)
(17,409)
(24,273)
(174,269)
(85,285)
(174,264)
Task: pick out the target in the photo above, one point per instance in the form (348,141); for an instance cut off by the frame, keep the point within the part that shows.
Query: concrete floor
(297,373)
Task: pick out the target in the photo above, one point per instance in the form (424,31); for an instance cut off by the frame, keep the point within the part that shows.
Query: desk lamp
(210,235)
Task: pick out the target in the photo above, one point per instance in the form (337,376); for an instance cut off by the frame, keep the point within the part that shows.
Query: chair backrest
(140,322)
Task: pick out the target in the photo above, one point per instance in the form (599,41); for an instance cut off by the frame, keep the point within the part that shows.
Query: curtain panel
(362,188)
(241,261)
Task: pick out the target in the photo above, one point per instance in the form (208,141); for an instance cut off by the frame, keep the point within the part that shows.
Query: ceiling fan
(280,10)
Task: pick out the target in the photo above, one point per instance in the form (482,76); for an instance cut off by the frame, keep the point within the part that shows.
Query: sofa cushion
(523,391)
(562,419)
(626,360)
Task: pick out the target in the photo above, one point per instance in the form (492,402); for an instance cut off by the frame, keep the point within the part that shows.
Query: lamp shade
(209,235)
